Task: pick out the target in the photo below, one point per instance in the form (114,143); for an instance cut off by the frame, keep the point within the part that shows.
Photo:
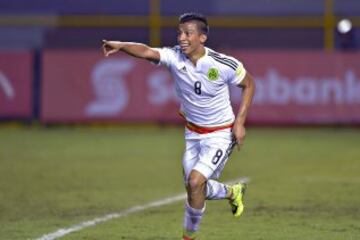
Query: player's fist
(110,47)
(239,133)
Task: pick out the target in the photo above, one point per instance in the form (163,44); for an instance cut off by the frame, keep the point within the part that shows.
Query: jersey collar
(181,64)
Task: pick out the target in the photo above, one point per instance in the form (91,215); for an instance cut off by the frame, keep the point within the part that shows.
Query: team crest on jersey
(213,74)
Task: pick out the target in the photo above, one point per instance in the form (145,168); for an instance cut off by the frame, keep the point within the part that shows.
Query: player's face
(190,38)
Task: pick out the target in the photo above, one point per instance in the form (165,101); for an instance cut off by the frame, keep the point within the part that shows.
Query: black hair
(201,19)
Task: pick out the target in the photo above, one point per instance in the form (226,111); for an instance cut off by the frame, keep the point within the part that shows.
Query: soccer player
(202,77)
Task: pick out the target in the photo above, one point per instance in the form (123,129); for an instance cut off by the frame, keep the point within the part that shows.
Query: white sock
(192,218)
(215,190)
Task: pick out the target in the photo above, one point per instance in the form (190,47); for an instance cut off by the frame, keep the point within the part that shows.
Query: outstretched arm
(138,50)
(248,86)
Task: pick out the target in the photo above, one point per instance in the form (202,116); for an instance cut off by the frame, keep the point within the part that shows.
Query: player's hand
(239,133)
(110,47)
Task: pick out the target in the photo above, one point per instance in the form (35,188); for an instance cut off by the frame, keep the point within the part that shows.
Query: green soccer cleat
(236,203)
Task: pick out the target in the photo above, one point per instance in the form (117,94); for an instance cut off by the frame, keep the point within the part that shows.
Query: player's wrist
(239,121)
(119,45)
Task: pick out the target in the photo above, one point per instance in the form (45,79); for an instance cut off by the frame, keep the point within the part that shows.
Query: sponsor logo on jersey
(213,74)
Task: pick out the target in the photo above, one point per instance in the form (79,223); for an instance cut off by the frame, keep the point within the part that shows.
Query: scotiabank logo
(6,88)
(111,92)
(277,89)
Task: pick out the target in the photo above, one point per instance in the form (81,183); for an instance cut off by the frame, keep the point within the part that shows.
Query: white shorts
(207,153)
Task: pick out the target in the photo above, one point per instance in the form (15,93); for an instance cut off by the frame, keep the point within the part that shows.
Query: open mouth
(184,46)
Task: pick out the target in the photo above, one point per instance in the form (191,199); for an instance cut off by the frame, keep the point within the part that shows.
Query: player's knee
(195,184)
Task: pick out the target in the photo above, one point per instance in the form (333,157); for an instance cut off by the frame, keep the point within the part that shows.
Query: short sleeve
(167,56)
(236,75)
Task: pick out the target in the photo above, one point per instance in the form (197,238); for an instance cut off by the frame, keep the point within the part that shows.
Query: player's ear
(203,38)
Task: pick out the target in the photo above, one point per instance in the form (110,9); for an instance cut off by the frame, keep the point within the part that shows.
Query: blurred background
(304,56)
(82,136)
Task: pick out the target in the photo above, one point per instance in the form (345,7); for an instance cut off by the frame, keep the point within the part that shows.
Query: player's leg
(196,189)
(195,204)
(192,215)
(208,163)
(204,159)
(214,154)
(216,190)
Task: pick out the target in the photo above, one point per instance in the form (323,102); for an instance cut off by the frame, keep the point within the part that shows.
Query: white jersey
(203,89)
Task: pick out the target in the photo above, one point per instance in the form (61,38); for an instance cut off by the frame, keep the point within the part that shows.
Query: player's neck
(196,55)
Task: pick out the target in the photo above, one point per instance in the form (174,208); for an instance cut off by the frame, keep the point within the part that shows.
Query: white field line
(165,201)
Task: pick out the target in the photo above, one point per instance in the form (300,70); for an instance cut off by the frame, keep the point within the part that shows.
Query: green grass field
(305,183)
